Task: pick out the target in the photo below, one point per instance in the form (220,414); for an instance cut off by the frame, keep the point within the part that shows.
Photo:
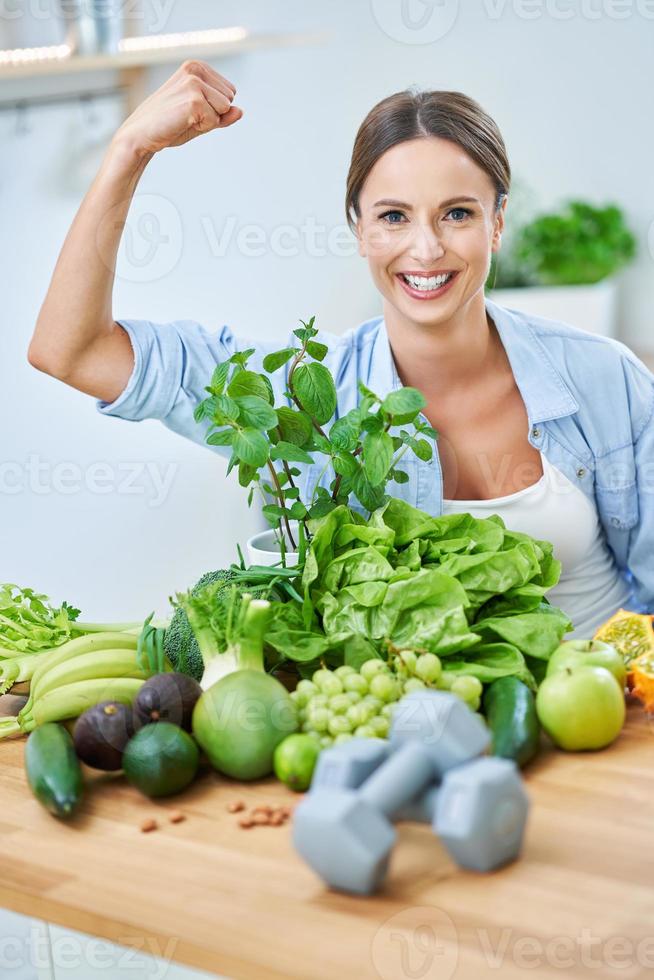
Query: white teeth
(427,283)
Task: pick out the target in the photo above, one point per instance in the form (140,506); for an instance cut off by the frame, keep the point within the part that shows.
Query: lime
(294,761)
(160,759)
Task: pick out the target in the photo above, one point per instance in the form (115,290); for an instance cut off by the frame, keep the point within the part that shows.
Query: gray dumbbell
(346,834)
(348,764)
(478,810)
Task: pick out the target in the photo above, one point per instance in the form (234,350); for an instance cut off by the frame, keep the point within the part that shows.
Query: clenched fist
(194,100)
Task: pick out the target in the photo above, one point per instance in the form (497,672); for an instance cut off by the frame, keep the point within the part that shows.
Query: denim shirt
(589,401)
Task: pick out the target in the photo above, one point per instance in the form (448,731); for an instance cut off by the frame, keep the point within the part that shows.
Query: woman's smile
(426,287)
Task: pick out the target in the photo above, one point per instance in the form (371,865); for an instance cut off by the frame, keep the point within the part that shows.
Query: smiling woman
(510,395)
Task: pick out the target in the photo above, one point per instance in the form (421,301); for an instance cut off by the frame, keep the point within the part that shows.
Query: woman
(540,422)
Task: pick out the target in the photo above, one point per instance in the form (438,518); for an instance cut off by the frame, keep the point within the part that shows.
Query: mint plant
(268,441)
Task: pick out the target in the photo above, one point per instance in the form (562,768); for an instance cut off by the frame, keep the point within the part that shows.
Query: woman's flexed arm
(76,338)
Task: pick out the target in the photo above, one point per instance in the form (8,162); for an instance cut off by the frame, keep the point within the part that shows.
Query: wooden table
(239,902)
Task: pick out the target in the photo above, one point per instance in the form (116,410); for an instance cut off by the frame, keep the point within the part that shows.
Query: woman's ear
(496,241)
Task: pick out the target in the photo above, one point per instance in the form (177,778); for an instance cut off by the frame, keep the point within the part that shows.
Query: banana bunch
(106,666)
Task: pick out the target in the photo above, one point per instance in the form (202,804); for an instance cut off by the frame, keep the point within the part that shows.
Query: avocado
(161,759)
(101,733)
(167,697)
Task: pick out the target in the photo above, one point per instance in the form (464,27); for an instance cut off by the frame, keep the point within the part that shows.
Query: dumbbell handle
(397,781)
(422,809)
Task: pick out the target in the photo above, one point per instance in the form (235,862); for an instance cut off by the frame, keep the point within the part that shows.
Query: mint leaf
(421,448)
(249,383)
(345,465)
(246,474)
(290,453)
(377,456)
(315,390)
(321,508)
(273,512)
(370,496)
(251,446)
(272,362)
(224,437)
(255,412)
(225,409)
(295,426)
(344,434)
(219,378)
(318,351)
(404,401)
(241,357)
(372,423)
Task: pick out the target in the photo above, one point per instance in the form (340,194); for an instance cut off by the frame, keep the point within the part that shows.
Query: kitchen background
(246,227)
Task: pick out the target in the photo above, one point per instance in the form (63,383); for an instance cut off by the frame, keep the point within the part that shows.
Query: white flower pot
(263,549)
(592,308)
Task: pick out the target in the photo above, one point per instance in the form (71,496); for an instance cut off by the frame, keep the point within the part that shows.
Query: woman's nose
(426,244)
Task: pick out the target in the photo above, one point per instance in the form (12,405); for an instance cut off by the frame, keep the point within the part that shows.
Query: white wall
(572,97)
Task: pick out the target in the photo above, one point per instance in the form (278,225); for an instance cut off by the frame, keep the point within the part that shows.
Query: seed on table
(236,806)
(263,809)
(277,819)
(148,825)
(177,816)
(260,818)
(246,822)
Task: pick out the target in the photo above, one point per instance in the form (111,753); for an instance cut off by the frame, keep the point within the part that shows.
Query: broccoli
(180,644)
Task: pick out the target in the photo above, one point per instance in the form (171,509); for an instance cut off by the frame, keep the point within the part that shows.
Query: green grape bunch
(337,705)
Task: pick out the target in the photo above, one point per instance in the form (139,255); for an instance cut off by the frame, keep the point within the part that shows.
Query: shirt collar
(543,389)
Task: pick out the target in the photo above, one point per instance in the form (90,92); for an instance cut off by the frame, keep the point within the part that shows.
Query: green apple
(594,653)
(581,707)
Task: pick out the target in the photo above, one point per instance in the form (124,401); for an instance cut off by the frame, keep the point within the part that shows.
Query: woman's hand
(194,100)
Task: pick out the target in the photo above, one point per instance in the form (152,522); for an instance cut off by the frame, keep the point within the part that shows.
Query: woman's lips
(425,294)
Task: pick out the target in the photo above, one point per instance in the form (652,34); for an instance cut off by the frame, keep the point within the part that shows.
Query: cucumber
(53,770)
(510,710)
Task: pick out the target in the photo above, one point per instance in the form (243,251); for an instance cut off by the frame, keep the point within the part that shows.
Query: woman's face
(428,227)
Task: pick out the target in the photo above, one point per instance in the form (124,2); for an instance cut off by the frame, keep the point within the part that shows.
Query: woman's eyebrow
(389,202)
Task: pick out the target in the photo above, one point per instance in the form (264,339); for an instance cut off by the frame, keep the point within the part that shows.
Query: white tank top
(591,587)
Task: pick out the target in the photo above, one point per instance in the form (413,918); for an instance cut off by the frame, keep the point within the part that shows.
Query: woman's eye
(390,216)
(464,212)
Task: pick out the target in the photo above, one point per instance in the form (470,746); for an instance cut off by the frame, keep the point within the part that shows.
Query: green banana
(71,700)
(88,666)
(73,648)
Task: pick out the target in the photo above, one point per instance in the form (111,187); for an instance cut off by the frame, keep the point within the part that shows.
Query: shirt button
(535,432)
(581,472)
(615,521)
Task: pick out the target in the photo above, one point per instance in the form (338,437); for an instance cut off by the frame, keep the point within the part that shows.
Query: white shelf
(76,64)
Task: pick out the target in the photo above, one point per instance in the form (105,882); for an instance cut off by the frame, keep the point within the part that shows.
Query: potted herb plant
(563,265)
(360,450)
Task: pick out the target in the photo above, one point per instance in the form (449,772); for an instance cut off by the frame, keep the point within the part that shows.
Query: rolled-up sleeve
(172,361)
(173,364)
